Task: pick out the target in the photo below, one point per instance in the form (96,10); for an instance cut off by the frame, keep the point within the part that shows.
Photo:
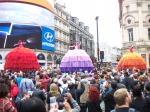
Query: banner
(48,39)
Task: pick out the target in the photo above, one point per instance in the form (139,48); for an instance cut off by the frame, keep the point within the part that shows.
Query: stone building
(79,33)
(135,25)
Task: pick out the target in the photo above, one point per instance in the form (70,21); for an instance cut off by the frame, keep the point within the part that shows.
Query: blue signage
(48,39)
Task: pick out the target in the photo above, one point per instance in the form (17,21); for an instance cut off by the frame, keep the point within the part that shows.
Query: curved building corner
(31,21)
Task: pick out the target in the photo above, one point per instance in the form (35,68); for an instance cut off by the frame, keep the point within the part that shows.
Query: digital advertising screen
(30,23)
(2,39)
(5,27)
(22,13)
(48,39)
(29,34)
(34,37)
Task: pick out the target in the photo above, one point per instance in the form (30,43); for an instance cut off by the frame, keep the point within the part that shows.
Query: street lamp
(97,38)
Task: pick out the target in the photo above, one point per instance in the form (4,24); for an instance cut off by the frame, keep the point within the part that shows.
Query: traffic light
(101,54)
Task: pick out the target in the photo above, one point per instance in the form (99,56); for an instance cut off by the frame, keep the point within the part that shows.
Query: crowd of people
(105,90)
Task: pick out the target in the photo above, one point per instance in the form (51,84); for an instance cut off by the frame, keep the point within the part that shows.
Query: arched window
(55,57)
(41,57)
(49,58)
(129,20)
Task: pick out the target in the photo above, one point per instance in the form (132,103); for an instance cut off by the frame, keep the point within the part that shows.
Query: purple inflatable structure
(76,60)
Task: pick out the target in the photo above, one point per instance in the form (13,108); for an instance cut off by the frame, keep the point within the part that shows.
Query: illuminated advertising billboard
(35,37)
(31,23)
(48,39)
(2,39)
(26,14)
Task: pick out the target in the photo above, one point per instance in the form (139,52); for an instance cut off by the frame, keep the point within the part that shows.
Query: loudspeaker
(101,54)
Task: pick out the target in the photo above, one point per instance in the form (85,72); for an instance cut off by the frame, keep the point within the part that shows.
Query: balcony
(63,40)
(66,30)
(136,44)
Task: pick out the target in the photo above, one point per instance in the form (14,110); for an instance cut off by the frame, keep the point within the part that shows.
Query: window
(144,57)
(149,33)
(0,57)
(62,35)
(55,57)
(130,33)
(49,58)
(149,8)
(129,21)
(127,8)
(41,57)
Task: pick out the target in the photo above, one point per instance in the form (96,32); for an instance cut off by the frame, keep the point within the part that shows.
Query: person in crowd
(93,103)
(123,100)
(147,97)
(102,80)
(14,90)
(84,96)
(7,81)
(108,95)
(138,101)
(44,79)
(142,80)
(68,105)
(106,88)
(32,104)
(76,90)
(95,81)
(148,76)
(75,106)
(39,93)
(19,78)
(26,85)
(54,92)
(5,103)
(127,81)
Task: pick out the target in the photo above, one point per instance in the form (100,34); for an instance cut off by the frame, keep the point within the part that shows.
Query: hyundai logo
(49,36)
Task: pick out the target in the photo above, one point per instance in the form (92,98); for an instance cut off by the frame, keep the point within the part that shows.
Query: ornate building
(80,34)
(135,25)
(44,26)
(62,31)
(31,21)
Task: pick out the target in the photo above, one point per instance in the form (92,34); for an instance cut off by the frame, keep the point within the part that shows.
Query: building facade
(30,20)
(79,33)
(135,25)
(62,31)
(27,20)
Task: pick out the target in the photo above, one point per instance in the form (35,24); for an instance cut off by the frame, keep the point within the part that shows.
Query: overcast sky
(108,12)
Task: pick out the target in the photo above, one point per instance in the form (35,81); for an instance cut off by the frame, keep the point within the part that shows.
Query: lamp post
(97,38)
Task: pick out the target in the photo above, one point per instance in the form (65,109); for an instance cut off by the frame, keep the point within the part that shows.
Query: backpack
(130,110)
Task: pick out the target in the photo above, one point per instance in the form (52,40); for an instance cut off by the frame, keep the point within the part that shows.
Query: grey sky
(108,12)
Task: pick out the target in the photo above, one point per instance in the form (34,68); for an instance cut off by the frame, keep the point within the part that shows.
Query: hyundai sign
(48,39)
